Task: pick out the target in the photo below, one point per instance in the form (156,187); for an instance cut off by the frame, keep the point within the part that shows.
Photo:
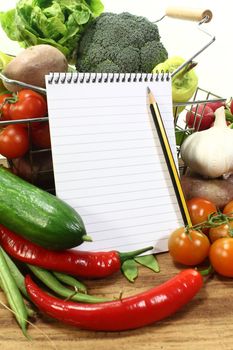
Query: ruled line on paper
(107,164)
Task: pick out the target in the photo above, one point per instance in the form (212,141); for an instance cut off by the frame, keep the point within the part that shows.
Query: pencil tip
(148,89)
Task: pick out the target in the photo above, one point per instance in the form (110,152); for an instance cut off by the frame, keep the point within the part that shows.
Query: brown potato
(218,191)
(32,64)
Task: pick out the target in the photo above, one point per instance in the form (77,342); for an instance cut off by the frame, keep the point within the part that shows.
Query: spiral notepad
(107,158)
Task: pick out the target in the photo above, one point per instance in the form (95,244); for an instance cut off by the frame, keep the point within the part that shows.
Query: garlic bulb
(210,152)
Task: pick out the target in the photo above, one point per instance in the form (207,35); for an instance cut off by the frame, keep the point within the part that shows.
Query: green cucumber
(37,215)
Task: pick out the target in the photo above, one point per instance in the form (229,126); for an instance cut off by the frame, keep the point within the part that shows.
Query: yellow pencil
(157,119)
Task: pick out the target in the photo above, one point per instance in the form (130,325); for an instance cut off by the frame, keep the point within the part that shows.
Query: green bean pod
(70,281)
(13,294)
(50,281)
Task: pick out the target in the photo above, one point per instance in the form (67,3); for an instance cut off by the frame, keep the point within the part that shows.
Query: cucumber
(37,215)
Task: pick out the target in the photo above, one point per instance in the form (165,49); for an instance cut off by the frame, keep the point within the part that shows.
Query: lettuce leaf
(55,22)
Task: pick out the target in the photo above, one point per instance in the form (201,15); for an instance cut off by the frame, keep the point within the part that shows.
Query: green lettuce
(59,23)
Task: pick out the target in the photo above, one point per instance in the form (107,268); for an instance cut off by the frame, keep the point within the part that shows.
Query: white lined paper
(109,166)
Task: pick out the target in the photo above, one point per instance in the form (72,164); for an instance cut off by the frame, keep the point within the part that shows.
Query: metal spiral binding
(76,77)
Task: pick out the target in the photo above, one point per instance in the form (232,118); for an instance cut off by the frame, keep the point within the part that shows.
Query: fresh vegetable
(188,246)
(124,314)
(13,294)
(217,191)
(58,23)
(199,209)
(228,208)
(221,256)
(215,105)
(210,152)
(54,285)
(221,231)
(79,263)
(4,60)
(231,106)
(41,136)
(38,215)
(4,106)
(32,64)
(14,141)
(70,281)
(28,104)
(120,43)
(184,83)
(200,117)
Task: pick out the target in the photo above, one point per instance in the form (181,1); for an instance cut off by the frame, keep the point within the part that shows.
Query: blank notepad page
(108,161)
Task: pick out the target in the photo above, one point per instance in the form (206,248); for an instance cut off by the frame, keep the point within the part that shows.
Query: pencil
(158,122)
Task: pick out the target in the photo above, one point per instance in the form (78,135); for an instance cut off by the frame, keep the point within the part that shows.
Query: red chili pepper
(78,263)
(124,314)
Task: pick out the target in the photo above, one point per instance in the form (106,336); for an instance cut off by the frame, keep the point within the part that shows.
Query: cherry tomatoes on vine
(190,248)
(14,141)
(199,209)
(221,256)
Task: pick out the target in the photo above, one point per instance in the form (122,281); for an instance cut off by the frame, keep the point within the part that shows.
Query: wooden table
(206,323)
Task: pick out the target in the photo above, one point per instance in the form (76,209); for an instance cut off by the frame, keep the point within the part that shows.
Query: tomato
(14,141)
(220,231)
(29,104)
(4,106)
(199,209)
(41,136)
(221,256)
(228,209)
(188,249)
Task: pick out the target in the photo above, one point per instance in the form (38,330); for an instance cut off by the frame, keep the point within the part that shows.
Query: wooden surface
(205,323)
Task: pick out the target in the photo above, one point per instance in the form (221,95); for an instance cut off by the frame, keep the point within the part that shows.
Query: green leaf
(149,261)
(130,270)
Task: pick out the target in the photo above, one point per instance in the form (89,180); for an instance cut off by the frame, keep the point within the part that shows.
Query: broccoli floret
(120,43)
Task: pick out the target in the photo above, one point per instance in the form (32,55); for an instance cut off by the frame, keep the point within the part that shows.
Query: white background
(180,37)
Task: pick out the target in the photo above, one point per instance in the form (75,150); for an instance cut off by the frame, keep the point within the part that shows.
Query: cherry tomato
(199,209)
(41,136)
(29,104)
(228,209)
(188,249)
(5,106)
(221,256)
(220,231)
(14,141)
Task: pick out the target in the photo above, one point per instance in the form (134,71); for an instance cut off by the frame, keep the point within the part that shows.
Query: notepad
(107,157)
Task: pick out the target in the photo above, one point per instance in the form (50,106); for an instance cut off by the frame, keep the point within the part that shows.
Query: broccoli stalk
(122,42)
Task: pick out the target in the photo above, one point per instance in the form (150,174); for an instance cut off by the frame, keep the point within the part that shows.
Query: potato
(218,191)
(32,64)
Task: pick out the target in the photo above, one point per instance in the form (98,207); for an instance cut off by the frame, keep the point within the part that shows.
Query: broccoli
(122,42)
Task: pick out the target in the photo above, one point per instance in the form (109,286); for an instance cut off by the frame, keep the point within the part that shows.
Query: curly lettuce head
(54,22)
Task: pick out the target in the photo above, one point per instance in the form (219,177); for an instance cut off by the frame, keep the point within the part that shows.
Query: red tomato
(220,231)
(14,141)
(188,249)
(41,136)
(221,256)
(29,104)
(4,106)
(200,117)
(228,209)
(199,209)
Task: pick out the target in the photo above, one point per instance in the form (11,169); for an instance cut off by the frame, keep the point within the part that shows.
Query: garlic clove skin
(210,152)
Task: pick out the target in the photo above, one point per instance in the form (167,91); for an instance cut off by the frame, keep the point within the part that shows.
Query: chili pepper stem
(87,238)
(132,254)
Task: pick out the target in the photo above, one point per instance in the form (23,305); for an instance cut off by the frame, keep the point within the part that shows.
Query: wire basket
(182,130)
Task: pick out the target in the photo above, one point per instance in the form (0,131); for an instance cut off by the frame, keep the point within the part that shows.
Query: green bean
(13,294)
(15,272)
(50,281)
(70,281)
